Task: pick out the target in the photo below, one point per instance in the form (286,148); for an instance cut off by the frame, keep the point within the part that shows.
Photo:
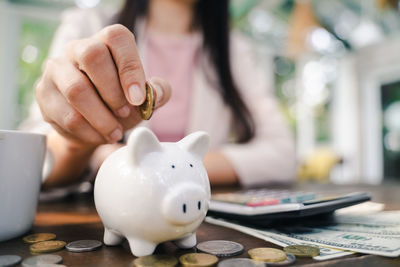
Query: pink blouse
(173,59)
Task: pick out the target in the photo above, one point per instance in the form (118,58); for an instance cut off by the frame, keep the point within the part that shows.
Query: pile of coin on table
(210,253)
(45,243)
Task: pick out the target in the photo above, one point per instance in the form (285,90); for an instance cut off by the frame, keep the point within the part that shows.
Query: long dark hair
(211,17)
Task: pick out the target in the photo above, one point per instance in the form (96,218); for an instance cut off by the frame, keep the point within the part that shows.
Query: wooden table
(76,218)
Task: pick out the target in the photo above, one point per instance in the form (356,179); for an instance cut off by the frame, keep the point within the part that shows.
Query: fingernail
(136,95)
(158,93)
(124,111)
(116,135)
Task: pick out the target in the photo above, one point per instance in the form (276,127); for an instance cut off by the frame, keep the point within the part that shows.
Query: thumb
(162,91)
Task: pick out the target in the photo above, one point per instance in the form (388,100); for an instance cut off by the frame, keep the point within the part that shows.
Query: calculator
(263,206)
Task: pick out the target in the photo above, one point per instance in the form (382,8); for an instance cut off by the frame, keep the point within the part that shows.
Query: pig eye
(191,165)
(173,166)
(199,205)
(184,208)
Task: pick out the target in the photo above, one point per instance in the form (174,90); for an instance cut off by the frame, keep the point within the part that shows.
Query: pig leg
(140,247)
(187,242)
(111,238)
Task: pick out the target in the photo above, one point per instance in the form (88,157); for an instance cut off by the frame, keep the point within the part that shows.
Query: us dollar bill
(347,240)
(384,218)
(383,231)
(339,238)
(326,253)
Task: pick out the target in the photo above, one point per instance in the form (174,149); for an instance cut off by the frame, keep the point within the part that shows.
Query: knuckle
(70,46)
(46,118)
(93,53)
(128,68)
(76,91)
(50,64)
(116,32)
(73,121)
(39,88)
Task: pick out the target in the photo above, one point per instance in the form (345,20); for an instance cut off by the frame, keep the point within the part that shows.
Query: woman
(91,88)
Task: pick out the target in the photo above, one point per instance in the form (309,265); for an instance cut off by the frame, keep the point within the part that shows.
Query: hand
(91,94)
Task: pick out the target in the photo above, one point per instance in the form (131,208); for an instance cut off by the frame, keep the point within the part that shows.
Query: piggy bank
(150,192)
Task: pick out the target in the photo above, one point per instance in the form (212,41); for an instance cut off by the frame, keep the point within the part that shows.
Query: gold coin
(34,238)
(198,259)
(47,246)
(146,109)
(302,251)
(267,254)
(156,261)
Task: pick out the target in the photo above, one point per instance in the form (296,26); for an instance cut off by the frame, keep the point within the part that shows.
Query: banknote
(364,242)
(353,241)
(379,230)
(383,218)
(325,252)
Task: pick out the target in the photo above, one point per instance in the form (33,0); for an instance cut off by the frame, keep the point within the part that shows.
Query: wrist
(70,145)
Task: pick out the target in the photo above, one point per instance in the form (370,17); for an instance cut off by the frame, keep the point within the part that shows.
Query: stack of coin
(290,259)
(41,260)
(83,245)
(47,246)
(220,248)
(271,256)
(240,262)
(198,259)
(9,260)
(156,261)
(302,250)
(35,238)
(267,254)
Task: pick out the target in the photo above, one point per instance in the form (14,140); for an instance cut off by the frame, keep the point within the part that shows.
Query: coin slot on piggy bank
(150,192)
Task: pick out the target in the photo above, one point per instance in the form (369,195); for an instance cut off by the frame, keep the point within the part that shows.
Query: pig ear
(196,143)
(141,142)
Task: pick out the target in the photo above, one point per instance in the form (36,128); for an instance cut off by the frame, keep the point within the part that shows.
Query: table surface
(76,219)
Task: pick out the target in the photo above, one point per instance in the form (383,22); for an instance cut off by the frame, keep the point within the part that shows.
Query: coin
(156,261)
(240,262)
(198,259)
(302,250)
(290,259)
(146,109)
(34,238)
(9,260)
(50,265)
(267,254)
(83,245)
(41,259)
(47,246)
(220,248)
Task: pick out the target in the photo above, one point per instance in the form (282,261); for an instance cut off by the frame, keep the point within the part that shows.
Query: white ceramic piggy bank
(151,192)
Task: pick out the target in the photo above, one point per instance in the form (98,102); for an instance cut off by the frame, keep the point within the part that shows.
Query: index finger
(122,45)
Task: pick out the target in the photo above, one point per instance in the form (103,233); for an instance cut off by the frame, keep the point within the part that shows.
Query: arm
(89,93)
(219,168)
(70,160)
(270,156)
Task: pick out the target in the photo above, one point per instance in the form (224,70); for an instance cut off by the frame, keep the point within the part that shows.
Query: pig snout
(185,204)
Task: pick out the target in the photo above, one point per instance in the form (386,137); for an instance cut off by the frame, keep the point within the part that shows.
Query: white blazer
(268,157)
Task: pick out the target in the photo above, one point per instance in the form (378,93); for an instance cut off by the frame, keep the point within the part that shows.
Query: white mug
(21,163)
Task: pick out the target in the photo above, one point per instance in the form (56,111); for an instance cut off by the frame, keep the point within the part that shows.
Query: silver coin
(240,262)
(290,259)
(220,248)
(83,245)
(41,259)
(9,260)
